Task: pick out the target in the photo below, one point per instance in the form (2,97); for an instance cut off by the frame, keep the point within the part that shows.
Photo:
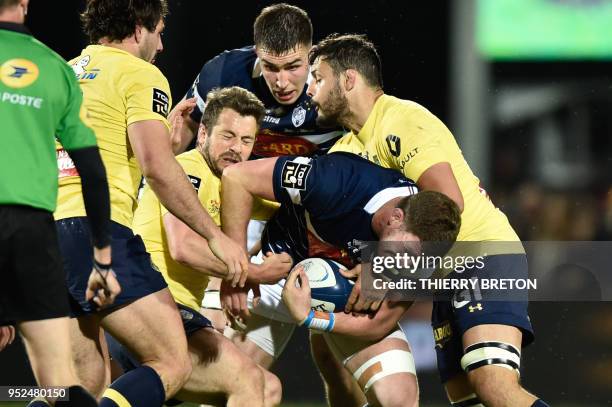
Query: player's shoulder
(236,59)
(121,66)
(191,159)
(392,106)
(394,112)
(42,54)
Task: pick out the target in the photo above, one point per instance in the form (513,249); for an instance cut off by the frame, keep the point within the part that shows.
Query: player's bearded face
(332,107)
(151,43)
(230,141)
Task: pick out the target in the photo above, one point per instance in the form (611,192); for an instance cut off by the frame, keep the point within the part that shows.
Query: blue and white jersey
(331,198)
(285,130)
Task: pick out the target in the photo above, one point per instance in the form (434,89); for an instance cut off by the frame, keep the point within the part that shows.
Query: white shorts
(271,326)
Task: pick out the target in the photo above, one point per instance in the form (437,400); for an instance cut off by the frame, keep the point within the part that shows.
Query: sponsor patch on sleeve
(294,175)
(161,102)
(195,182)
(394,145)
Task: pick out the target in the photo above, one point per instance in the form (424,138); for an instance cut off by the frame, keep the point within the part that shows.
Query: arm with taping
(366,327)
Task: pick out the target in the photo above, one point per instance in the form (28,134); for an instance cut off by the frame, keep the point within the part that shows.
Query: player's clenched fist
(102,286)
(234,257)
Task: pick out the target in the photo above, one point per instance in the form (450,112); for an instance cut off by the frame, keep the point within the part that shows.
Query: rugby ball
(329,290)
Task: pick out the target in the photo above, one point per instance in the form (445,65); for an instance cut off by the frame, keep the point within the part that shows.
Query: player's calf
(340,386)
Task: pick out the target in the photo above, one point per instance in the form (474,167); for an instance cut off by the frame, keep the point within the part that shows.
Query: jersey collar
(20,28)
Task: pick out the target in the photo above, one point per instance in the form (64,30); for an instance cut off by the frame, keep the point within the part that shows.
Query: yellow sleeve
(195,176)
(347,143)
(263,209)
(148,95)
(411,141)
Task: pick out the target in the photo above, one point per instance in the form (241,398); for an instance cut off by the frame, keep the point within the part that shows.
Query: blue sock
(141,387)
(539,403)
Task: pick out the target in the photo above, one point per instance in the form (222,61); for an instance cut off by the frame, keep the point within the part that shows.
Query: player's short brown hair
(432,216)
(350,51)
(281,28)
(236,98)
(117,19)
(7,4)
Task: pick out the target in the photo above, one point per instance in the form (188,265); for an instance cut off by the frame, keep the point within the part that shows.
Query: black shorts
(452,318)
(132,264)
(33,285)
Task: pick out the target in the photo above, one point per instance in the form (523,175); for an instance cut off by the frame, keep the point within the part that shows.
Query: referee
(39,99)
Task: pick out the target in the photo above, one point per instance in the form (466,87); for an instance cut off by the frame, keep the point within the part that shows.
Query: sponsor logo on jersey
(270,144)
(161,102)
(298,116)
(294,175)
(195,182)
(81,72)
(18,73)
(214,207)
(394,144)
(442,333)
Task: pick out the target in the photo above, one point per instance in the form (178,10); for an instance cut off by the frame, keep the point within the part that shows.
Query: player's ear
(397,218)
(202,133)
(138,34)
(350,77)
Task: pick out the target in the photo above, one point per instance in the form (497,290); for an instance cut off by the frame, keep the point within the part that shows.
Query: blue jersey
(286,129)
(328,202)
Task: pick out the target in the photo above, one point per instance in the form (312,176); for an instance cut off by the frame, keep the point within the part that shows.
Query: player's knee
(273,390)
(252,378)
(174,371)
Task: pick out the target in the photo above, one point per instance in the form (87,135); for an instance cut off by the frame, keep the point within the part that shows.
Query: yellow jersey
(118,89)
(403,135)
(186,284)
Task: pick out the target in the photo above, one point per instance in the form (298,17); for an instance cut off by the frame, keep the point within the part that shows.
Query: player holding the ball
(337,199)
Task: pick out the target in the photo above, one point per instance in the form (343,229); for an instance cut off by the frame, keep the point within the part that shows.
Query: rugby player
(128,99)
(227,134)
(338,198)
(479,360)
(276,70)
(40,98)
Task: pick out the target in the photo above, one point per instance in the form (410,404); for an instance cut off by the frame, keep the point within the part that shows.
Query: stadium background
(524,85)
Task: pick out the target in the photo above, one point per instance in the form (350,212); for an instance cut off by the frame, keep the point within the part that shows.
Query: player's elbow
(233,175)
(178,252)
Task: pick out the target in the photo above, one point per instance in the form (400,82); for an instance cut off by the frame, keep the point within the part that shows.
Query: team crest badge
(298,116)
